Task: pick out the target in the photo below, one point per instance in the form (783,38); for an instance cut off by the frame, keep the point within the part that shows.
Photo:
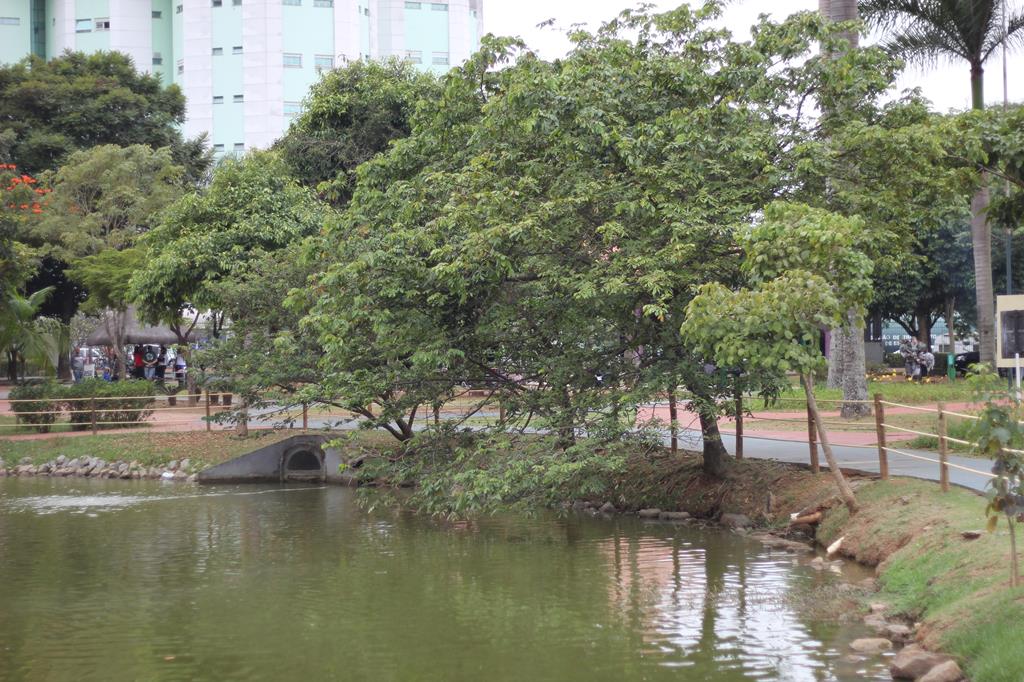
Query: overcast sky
(946,85)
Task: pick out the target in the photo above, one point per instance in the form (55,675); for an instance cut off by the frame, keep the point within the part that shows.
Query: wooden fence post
(943,450)
(305,416)
(208,425)
(812,441)
(739,425)
(883,454)
(501,412)
(92,418)
(673,420)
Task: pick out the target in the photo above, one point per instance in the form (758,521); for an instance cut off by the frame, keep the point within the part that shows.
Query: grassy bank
(957,588)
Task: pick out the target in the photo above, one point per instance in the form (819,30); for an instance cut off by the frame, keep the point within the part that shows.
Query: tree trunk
(715,454)
(845,491)
(981,239)
(673,417)
(847,367)
(841,10)
(924,328)
(242,426)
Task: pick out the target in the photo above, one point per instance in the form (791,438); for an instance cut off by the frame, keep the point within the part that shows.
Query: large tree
(972,30)
(545,225)
(77,101)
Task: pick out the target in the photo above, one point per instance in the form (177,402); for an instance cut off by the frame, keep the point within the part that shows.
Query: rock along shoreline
(93,467)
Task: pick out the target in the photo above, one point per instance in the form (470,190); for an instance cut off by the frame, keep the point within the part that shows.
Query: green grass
(897,391)
(958,588)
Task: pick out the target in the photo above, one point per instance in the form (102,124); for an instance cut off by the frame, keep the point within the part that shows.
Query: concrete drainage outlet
(303,465)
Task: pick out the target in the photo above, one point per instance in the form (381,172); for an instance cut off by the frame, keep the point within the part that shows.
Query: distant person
(138,364)
(149,363)
(180,367)
(77,366)
(161,364)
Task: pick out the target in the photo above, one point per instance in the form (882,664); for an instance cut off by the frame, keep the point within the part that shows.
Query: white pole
(1016,361)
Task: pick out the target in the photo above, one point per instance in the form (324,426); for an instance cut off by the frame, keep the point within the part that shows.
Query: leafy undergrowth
(957,588)
(149,448)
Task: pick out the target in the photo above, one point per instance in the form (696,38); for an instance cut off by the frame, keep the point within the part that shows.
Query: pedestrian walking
(149,362)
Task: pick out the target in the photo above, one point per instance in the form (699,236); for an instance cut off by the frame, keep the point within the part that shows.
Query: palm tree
(847,363)
(24,337)
(926,31)
(841,11)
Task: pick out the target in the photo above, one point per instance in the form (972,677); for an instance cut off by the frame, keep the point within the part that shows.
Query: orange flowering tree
(21,200)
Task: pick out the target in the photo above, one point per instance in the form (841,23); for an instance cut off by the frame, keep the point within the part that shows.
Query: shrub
(40,397)
(118,402)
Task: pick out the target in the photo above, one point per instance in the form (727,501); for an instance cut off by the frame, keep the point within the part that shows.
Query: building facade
(245,66)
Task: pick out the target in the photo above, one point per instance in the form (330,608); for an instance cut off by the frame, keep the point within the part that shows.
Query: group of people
(152,363)
(918,360)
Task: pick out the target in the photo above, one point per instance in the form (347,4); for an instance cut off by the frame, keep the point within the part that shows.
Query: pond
(130,580)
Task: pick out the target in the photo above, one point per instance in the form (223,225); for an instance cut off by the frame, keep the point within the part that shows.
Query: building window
(413,5)
(238,99)
(179,9)
(296,3)
(10,21)
(292,109)
(216,3)
(438,7)
(239,146)
(366,11)
(103,24)
(218,99)
(83,26)
(218,51)
(236,3)
(218,149)
(181,66)
(292,60)
(237,49)
(158,59)
(323,3)
(157,14)
(323,61)
(414,56)
(439,59)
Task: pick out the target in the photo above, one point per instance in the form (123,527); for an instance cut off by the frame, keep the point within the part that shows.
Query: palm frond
(924,44)
(1014,36)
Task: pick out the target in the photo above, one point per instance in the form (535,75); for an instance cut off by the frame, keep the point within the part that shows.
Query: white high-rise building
(245,66)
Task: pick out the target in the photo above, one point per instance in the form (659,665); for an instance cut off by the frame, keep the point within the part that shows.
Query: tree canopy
(351,115)
(77,101)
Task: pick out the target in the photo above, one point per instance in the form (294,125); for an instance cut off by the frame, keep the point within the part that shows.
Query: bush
(118,402)
(41,397)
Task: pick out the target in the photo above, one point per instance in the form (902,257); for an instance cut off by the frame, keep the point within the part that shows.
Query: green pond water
(112,580)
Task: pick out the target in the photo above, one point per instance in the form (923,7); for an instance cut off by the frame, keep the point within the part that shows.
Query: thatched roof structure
(135,332)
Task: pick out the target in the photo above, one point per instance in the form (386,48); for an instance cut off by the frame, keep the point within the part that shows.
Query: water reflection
(168,582)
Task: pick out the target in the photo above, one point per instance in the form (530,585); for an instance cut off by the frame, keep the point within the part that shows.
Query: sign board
(88,370)
(1009,330)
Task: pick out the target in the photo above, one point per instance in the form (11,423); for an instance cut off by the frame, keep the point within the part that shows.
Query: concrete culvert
(303,465)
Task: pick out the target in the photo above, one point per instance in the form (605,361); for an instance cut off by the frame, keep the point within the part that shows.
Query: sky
(947,85)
